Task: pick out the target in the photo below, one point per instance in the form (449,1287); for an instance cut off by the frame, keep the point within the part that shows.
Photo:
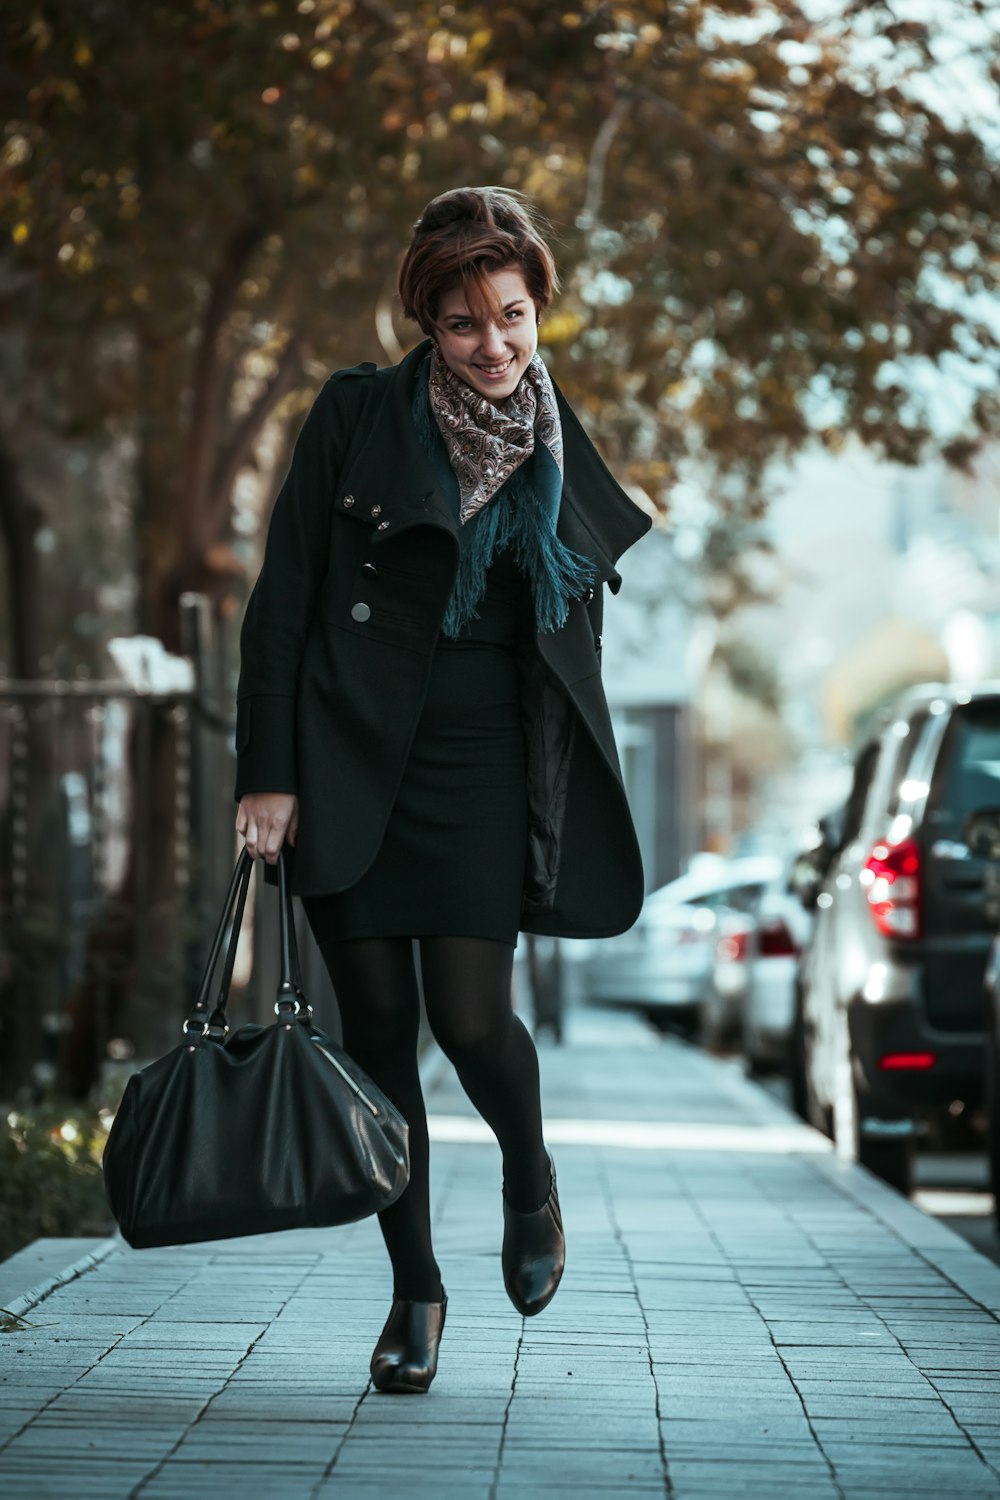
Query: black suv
(890,1027)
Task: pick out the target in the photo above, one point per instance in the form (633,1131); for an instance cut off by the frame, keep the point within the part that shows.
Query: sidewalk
(742,1315)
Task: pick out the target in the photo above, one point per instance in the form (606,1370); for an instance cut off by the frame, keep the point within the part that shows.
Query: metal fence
(117,840)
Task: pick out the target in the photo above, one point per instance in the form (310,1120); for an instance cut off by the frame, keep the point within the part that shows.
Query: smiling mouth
(496,369)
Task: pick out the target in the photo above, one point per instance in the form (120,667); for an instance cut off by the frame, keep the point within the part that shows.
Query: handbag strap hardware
(212,1024)
(296,1002)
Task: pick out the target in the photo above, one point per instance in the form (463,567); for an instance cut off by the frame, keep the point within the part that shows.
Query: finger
(293,829)
(251,837)
(273,842)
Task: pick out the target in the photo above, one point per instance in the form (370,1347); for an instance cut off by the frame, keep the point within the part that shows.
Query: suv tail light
(899,1062)
(891,880)
(732,949)
(775,940)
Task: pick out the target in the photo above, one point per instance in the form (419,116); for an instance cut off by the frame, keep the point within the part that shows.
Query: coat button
(370,569)
(588,597)
(383,526)
(598,642)
(361,613)
(348,501)
(376,511)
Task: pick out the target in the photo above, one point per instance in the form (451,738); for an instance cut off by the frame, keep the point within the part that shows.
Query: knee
(467,1038)
(377,1030)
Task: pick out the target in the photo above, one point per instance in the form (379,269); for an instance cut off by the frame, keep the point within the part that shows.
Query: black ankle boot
(534,1252)
(405,1358)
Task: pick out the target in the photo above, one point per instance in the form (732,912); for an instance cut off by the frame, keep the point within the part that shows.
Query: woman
(420,715)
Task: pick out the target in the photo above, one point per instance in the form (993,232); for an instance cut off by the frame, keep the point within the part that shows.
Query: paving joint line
(36,1295)
(57,1395)
(161,1462)
(866,1302)
(616,1229)
(338,1450)
(897,1234)
(876,1313)
(497,1467)
(734,1267)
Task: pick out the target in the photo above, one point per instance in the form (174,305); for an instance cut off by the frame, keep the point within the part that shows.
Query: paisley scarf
(523,513)
(486,443)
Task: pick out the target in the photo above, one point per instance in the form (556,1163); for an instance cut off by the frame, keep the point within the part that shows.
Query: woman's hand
(265,820)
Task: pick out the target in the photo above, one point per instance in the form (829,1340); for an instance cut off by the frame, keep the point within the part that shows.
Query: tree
(203,203)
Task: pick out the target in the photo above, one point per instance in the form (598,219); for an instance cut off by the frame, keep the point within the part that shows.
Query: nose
(493,343)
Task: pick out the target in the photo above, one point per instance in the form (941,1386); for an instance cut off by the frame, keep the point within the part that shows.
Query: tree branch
(589,215)
(208,387)
(215,513)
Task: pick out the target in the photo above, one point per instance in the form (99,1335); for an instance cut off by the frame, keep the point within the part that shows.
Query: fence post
(196,633)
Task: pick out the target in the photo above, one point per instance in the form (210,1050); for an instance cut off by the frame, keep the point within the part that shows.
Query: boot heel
(404,1361)
(534,1253)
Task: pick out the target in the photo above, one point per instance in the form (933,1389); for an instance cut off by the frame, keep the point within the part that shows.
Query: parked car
(982,835)
(767,1003)
(663,964)
(749,1002)
(719,1011)
(890,1022)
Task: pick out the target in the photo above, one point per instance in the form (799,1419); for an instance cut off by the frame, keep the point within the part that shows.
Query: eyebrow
(467,316)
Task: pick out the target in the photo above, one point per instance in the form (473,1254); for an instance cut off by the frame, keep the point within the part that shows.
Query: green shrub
(50,1173)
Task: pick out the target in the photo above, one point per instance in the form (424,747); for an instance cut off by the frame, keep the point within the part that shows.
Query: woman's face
(489,355)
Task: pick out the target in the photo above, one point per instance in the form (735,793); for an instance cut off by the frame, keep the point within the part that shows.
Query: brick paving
(742,1315)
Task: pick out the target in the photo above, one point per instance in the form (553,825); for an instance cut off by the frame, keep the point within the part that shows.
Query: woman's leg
(376,987)
(467,993)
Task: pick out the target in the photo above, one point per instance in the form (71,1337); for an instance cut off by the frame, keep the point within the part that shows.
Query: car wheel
(889,1157)
(758,1067)
(673,1021)
(993,1116)
(891,1160)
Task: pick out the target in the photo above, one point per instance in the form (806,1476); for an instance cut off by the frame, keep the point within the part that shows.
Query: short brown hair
(464,235)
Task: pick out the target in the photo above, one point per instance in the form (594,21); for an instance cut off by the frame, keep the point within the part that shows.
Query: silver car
(664,964)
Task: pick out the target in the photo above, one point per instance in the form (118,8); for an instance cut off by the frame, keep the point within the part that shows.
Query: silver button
(348,501)
(598,642)
(370,569)
(383,526)
(376,511)
(588,597)
(361,613)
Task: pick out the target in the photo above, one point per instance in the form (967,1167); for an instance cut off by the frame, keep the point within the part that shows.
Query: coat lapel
(596,516)
(393,462)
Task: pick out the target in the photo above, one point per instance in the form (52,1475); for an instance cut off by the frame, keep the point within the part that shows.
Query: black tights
(467,995)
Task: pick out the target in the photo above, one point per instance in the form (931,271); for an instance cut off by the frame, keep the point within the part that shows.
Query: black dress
(452,861)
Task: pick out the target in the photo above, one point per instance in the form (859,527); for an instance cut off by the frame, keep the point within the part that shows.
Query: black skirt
(452,861)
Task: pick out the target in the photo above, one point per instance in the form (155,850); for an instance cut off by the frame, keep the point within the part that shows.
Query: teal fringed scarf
(522,514)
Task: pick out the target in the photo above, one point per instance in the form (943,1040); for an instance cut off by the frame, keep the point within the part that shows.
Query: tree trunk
(20,522)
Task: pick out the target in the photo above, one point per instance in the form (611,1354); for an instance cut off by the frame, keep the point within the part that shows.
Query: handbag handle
(199,1022)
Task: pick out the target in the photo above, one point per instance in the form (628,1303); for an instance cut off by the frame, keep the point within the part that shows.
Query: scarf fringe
(518,517)
(515,518)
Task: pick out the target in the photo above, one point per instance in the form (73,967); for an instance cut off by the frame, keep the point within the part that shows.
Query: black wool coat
(337,641)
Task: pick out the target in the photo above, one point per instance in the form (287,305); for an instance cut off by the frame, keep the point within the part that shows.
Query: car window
(896,748)
(738,897)
(864,768)
(906,787)
(967,775)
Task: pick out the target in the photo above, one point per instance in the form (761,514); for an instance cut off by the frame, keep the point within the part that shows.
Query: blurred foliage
(751,672)
(204,201)
(50,1174)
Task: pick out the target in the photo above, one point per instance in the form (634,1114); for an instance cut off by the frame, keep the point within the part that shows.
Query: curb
(36,1294)
(433,1064)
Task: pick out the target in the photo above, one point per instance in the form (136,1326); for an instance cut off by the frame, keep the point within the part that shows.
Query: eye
(514,314)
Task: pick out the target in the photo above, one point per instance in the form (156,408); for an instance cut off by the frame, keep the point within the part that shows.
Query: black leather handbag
(270,1127)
